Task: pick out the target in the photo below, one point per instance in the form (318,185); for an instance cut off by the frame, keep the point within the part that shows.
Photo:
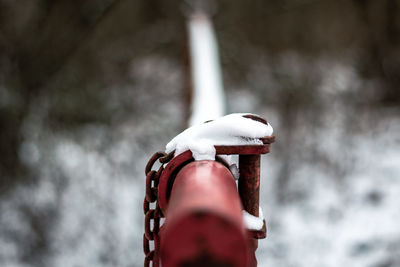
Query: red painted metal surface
(204,223)
(168,176)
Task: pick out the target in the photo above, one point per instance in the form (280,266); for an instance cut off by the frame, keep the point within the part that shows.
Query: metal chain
(152,216)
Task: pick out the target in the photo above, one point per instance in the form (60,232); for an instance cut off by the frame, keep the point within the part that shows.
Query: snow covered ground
(348,220)
(330,186)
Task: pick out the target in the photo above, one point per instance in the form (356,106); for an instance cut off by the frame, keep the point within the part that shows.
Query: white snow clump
(252,222)
(232,129)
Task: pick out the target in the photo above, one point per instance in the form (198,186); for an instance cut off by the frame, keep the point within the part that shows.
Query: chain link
(152,216)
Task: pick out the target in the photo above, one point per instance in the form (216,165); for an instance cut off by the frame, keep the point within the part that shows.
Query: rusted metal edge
(167,176)
(255,117)
(243,150)
(259,234)
(268,139)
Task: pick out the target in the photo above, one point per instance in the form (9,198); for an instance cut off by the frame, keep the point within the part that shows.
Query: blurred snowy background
(90,89)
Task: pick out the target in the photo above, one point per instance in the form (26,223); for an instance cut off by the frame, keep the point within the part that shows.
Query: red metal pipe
(249,190)
(204,223)
(249,182)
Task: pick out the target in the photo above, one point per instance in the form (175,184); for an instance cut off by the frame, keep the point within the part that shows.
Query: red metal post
(249,190)
(249,182)
(204,223)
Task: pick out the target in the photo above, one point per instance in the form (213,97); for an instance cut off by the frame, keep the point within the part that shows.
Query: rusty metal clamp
(159,185)
(249,180)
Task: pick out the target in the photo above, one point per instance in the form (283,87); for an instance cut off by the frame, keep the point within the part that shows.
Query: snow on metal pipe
(208,98)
